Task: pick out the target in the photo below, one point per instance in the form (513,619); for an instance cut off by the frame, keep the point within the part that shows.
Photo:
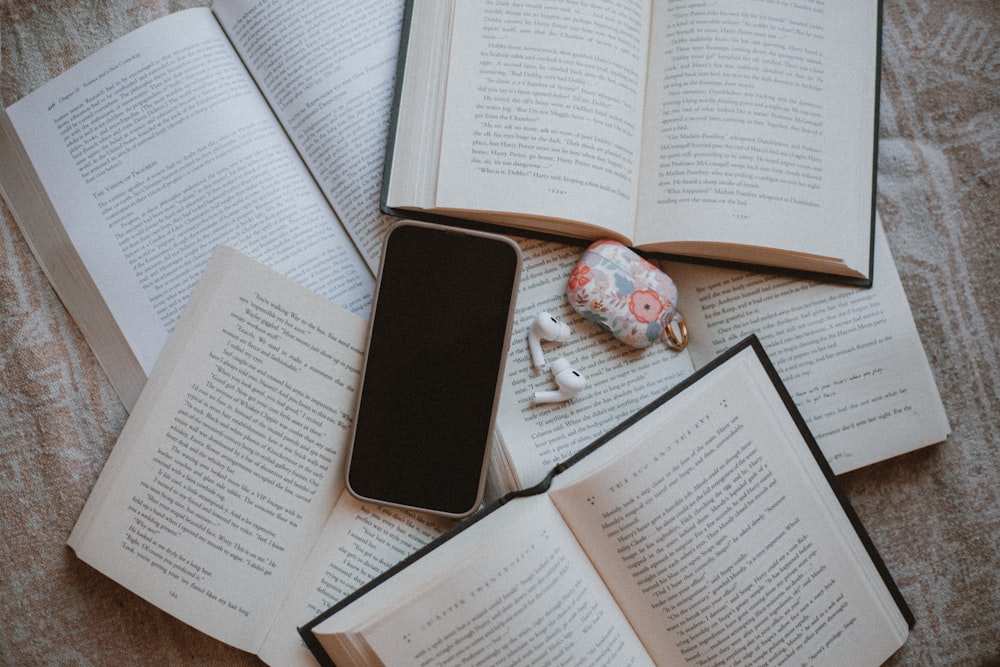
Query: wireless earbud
(569,381)
(545,327)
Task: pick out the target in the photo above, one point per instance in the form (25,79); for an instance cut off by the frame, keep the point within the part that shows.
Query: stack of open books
(202,195)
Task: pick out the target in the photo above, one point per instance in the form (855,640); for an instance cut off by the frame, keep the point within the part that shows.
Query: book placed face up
(667,130)
(707,528)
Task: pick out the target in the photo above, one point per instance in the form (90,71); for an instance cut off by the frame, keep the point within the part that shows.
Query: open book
(726,131)
(247,125)
(708,530)
(223,501)
(851,358)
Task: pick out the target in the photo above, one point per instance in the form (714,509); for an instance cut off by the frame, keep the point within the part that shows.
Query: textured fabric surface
(934,514)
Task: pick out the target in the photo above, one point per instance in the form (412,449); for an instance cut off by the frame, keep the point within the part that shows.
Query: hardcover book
(707,529)
(727,132)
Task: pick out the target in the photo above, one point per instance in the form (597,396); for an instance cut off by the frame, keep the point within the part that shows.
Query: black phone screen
(436,351)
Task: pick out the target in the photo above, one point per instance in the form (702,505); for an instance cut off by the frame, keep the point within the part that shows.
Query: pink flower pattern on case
(617,289)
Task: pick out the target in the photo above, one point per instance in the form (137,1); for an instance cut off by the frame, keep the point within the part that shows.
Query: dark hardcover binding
(751,341)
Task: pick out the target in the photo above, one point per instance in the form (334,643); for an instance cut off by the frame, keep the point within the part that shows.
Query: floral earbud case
(617,289)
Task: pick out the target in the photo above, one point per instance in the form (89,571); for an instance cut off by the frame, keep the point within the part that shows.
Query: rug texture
(934,514)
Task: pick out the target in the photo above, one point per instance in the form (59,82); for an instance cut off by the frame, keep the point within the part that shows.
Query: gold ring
(678,339)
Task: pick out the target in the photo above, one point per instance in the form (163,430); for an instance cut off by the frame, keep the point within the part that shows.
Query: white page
(851,358)
(233,458)
(752,125)
(515,589)
(149,166)
(571,152)
(327,68)
(720,537)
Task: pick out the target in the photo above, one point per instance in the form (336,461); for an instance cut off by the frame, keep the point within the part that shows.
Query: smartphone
(433,368)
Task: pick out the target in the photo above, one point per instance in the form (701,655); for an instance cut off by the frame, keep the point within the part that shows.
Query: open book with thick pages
(725,133)
(223,501)
(253,125)
(708,526)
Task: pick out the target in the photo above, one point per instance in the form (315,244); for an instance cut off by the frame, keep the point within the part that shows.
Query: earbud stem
(545,327)
(570,383)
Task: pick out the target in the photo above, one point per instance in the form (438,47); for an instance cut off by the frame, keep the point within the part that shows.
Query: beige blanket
(934,514)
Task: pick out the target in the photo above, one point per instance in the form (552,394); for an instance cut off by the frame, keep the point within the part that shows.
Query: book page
(543,110)
(620,379)
(720,537)
(359,542)
(327,68)
(233,457)
(155,150)
(753,117)
(851,358)
(512,589)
